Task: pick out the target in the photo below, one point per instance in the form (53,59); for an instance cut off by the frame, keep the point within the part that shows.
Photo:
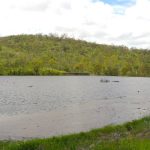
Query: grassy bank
(133,135)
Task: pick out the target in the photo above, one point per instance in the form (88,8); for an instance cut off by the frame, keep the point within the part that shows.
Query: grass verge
(133,135)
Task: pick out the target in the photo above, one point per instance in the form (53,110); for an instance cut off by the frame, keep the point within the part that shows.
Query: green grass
(133,135)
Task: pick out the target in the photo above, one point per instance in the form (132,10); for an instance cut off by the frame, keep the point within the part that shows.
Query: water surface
(44,106)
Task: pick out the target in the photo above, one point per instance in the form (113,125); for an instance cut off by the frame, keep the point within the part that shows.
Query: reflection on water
(77,102)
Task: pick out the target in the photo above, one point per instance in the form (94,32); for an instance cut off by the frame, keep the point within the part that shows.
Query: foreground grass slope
(134,135)
(53,55)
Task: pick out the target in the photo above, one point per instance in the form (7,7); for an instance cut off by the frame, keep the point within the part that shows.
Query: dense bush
(53,55)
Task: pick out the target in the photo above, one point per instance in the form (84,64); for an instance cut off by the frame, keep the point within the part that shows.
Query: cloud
(95,21)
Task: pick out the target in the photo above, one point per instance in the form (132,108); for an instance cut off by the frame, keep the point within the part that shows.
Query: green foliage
(53,55)
(0,48)
(49,71)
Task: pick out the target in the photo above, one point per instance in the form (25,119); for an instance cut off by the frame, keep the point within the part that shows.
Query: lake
(37,106)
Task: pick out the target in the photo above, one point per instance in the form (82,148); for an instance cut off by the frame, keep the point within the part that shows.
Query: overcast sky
(121,22)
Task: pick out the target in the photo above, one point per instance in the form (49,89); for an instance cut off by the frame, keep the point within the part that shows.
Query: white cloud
(85,19)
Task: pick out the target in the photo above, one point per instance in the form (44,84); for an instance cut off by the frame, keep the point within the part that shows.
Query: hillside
(52,55)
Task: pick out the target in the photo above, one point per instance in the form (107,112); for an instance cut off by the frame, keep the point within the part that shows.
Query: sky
(118,22)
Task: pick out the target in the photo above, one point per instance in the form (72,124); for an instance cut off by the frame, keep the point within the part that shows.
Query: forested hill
(52,55)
